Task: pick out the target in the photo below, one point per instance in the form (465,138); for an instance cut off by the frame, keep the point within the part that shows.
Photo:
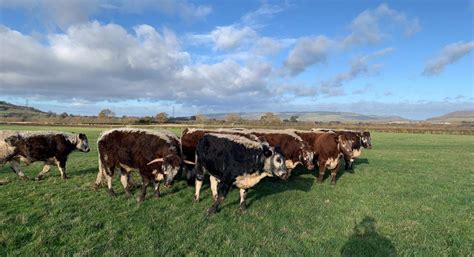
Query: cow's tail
(191,172)
(101,174)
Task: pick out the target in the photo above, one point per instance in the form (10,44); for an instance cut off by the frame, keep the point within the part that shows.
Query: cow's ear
(278,149)
(267,151)
(82,136)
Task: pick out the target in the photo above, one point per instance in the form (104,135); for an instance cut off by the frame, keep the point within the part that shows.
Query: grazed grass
(410,195)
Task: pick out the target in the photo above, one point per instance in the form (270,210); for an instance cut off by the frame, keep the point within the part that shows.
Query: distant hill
(11,110)
(320,116)
(459,116)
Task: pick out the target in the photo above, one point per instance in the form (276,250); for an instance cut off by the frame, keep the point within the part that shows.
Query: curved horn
(155,160)
(189,162)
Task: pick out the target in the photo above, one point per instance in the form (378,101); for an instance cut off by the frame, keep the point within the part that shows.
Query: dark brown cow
(327,148)
(355,139)
(156,154)
(48,147)
(295,149)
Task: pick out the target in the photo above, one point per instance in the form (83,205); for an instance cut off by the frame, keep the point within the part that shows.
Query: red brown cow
(328,148)
(156,154)
(356,139)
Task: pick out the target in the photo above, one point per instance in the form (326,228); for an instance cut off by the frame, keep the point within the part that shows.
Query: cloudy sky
(408,58)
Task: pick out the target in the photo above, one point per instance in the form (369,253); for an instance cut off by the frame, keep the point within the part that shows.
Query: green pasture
(411,195)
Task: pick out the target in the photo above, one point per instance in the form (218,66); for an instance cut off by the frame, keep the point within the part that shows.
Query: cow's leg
(243,194)
(108,172)
(156,185)
(199,177)
(322,170)
(124,181)
(46,169)
(15,166)
(100,175)
(100,178)
(62,168)
(348,162)
(223,189)
(214,184)
(146,182)
(334,173)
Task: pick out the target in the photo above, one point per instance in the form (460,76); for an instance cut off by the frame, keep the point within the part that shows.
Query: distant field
(412,194)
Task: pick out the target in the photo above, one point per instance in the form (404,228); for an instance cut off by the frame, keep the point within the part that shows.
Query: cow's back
(134,148)
(228,156)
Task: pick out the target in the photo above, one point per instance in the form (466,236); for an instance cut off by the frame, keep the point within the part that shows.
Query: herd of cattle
(239,157)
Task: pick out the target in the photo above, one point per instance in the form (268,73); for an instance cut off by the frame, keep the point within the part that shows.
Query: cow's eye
(278,160)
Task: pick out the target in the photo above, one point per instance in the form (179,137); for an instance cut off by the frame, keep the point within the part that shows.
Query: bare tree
(201,118)
(106,113)
(161,117)
(232,118)
(270,118)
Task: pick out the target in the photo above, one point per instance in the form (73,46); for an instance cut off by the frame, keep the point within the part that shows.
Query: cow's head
(82,144)
(366,140)
(345,145)
(308,159)
(168,168)
(275,161)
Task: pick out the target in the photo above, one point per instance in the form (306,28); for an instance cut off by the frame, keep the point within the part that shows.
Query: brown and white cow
(52,148)
(155,154)
(356,140)
(328,149)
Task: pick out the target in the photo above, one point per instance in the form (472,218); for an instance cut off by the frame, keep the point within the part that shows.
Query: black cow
(48,147)
(236,160)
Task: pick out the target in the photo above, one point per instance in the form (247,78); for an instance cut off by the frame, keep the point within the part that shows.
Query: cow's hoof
(112,193)
(96,186)
(195,200)
(211,211)
(157,195)
(243,208)
(319,181)
(25,178)
(128,194)
(140,199)
(38,178)
(333,183)
(64,177)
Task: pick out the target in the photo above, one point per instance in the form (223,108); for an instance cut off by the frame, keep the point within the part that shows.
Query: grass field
(409,195)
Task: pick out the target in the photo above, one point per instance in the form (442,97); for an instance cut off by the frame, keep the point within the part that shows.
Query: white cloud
(104,62)
(230,37)
(365,28)
(264,12)
(64,13)
(359,66)
(308,51)
(334,85)
(448,55)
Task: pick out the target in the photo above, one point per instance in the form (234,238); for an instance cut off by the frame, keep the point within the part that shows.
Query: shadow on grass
(365,241)
(276,186)
(82,172)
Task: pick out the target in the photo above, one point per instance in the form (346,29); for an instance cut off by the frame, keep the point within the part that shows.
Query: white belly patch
(249,180)
(356,152)
(331,163)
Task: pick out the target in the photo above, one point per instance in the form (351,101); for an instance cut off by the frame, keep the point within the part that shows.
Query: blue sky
(413,59)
